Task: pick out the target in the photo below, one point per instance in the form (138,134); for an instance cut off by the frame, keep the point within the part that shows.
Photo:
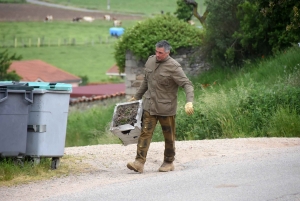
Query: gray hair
(165,44)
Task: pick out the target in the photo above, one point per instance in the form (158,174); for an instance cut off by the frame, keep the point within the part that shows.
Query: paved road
(268,176)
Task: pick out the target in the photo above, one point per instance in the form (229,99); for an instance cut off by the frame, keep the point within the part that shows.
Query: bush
(141,38)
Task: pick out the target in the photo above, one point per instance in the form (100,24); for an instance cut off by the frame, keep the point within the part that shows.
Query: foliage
(239,30)
(259,100)
(141,38)
(267,27)
(84,80)
(221,23)
(5,62)
(184,11)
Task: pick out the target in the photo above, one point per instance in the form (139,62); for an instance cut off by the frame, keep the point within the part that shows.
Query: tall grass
(260,100)
(251,103)
(90,127)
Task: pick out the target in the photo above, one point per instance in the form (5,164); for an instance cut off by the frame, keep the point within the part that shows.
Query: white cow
(49,18)
(88,19)
(117,23)
(107,17)
(191,22)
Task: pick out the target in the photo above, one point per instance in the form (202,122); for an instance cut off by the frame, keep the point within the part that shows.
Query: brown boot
(166,167)
(136,166)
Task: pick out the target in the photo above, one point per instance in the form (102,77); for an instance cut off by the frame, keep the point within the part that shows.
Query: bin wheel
(18,162)
(55,163)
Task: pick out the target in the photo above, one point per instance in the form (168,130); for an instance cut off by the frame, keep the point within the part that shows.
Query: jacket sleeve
(181,79)
(143,88)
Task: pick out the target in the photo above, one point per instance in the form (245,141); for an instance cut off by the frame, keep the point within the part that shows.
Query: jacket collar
(168,57)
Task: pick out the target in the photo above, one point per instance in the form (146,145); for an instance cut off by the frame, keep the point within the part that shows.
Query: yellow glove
(189,108)
(132,99)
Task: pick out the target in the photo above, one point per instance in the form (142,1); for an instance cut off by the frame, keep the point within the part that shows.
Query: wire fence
(43,41)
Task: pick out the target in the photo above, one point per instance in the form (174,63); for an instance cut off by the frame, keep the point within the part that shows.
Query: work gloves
(132,99)
(189,108)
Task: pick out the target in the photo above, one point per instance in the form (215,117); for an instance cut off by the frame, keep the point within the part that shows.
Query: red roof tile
(98,90)
(114,70)
(37,70)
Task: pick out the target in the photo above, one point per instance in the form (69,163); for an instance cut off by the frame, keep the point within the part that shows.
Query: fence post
(16,42)
(29,42)
(38,42)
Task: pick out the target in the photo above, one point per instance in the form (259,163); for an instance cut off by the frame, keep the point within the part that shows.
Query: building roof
(37,70)
(98,90)
(114,70)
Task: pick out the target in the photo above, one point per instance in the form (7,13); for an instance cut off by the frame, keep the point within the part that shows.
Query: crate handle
(5,97)
(30,100)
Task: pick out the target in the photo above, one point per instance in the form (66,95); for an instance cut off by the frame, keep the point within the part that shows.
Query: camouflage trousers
(168,128)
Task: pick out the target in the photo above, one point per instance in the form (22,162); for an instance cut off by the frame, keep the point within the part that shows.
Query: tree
(267,27)
(184,11)
(195,11)
(220,47)
(5,62)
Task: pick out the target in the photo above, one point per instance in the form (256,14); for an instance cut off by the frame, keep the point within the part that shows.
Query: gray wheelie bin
(47,121)
(14,109)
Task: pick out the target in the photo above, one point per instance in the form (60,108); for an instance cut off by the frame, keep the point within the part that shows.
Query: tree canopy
(141,38)
(5,62)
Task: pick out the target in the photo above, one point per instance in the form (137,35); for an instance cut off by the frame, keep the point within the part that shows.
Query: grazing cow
(77,19)
(49,18)
(107,17)
(191,22)
(88,19)
(117,23)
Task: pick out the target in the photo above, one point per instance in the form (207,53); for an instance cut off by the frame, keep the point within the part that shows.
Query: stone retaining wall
(189,58)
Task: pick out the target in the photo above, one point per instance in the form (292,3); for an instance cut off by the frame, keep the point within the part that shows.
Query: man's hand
(132,99)
(189,108)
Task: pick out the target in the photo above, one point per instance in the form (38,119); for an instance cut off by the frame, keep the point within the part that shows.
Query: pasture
(148,8)
(92,55)
(81,48)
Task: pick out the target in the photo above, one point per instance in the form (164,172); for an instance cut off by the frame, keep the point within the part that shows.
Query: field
(24,32)
(22,26)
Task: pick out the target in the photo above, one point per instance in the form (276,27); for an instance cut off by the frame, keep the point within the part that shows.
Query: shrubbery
(141,38)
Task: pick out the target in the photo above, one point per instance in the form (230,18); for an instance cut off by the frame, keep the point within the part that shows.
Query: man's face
(161,54)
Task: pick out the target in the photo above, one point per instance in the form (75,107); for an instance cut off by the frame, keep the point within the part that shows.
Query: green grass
(57,29)
(260,100)
(134,6)
(82,59)
(92,61)
(90,127)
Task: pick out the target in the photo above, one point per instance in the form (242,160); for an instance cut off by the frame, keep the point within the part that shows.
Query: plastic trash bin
(14,109)
(47,121)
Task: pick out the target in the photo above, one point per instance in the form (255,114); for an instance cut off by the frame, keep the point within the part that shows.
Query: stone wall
(189,58)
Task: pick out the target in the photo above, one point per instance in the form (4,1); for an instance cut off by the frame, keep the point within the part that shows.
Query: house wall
(190,59)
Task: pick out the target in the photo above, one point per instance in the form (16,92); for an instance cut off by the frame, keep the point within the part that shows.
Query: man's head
(162,50)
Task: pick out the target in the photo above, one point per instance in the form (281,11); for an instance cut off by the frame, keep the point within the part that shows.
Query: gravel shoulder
(103,165)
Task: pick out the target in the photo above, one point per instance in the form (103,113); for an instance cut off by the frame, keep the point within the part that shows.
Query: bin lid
(51,86)
(11,85)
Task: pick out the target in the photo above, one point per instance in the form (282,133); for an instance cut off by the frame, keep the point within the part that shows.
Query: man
(163,76)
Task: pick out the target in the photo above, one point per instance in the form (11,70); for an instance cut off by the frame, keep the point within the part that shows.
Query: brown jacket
(160,86)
